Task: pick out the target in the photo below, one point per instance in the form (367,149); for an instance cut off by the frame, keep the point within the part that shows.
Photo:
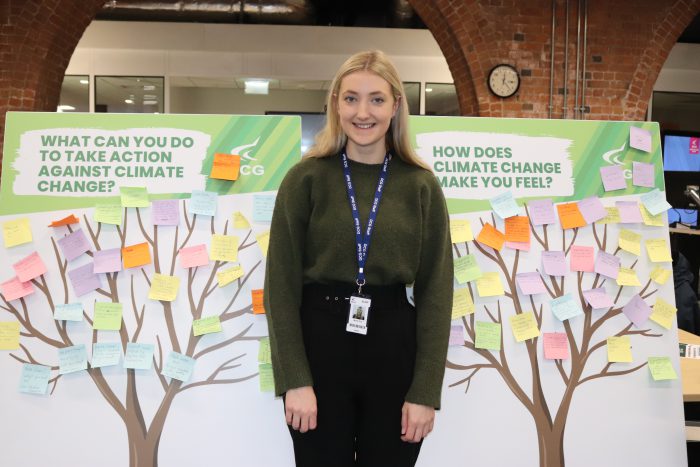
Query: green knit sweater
(312,240)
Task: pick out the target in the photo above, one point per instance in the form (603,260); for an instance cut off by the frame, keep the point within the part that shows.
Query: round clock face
(504,80)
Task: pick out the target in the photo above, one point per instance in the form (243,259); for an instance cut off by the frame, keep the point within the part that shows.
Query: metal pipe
(578,55)
(564,113)
(551,63)
(585,51)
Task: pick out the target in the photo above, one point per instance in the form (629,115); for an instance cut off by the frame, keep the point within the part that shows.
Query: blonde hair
(331,139)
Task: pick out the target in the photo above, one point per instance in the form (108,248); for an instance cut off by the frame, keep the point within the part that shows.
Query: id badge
(359,314)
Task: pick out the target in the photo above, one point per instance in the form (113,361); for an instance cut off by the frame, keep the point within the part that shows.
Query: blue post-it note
(655,202)
(178,366)
(34,379)
(262,207)
(138,356)
(72,359)
(504,205)
(68,312)
(203,203)
(565,307)
(106,354)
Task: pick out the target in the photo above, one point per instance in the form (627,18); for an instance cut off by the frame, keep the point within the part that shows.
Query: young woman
(360,391)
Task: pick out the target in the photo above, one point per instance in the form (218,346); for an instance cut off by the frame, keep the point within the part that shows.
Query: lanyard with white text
(362,241)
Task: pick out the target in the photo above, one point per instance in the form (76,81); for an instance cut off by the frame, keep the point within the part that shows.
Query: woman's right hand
(300,408)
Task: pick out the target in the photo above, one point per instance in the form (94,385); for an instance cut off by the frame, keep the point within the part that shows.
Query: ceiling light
(129,101)
(63,108)
(149,87)
(428,89)
(150,102)
(257,86)
(84,81)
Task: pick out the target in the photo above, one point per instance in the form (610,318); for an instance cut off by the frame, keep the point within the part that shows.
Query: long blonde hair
(331,139)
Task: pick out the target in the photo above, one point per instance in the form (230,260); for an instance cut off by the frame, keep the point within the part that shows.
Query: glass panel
(75,94)
(413,97)
(676,110)
(125,94)
(441,99)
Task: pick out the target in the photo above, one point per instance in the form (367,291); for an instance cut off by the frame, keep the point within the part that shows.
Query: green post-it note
(264,355)
(207,325)
(134,197)
(661,368)
(488,335)
(267,380)
(108,316)
(466,269)
(108,214)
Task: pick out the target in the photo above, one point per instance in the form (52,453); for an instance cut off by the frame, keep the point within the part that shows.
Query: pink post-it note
(582,258)
(456,335)
(84,280)
(592,209)
(14,289)
(541,212)
(107,260)
(556,346)
(642,174)
(597,298)
(607,265)
(530,283)
(637,310)
(165,212)
(640,139)
(193,256)
(73,245)
(613,177)
(30,267)
(524,246)
(629,212)
(554,263)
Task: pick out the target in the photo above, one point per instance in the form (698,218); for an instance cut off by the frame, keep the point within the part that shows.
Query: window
(413,97)
(441,99)
(125,94)
(75,94)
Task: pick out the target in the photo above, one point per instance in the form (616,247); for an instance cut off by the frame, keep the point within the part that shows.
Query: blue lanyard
(362,241)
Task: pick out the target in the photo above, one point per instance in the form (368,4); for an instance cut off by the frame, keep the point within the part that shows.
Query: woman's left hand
(416,422)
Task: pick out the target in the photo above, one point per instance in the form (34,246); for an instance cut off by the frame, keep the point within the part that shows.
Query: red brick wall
(627,43)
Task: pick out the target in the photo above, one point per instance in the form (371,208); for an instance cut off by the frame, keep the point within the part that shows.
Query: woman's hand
(300,408)
(416,422)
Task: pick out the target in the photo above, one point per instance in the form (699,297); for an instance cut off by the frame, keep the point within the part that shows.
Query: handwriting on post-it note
(466,269)
(239,221)
(194,256)
(203,203)
(629,212)
(461,231)
(134,197)
(225,167)
(136,255)
(208,325)
(565,307)
(456,335)
(592,209)
(640,139)
(108,214)
(642,174)
(556,346)
(597,298)
(582,258)
(138,356)
(165,212)
(658,250)
(224,247)
(488,335)
(34,379)
(504,205)
(490,285)
(660,275)
(84,280)
(612,216)
(630,242)
(524,326)
(258,301)
(619,349)
(264,351)
(263,205)
(178,366)
(104,261)
(490,236)
(637,310)
(14,289)
(663,313)
(29,268)
(267,379)
(73,245)
(68,312)
(9,335)
(16,232)
(518,229)
(653,221)
(107,316)
(554,263)
(106,354)
(229,275)
(570,216)
(655,202)
(607,264)
(627,277)
(462,303)
(530,283)
(661,368)
(613,177)
(72,359)
(164,287)
(541,212)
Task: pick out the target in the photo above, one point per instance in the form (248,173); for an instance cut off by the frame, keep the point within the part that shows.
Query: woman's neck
(365,155)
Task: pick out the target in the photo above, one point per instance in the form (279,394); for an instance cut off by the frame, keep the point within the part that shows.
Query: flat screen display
(681,153)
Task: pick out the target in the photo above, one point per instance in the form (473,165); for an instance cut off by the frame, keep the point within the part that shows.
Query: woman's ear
(397,101)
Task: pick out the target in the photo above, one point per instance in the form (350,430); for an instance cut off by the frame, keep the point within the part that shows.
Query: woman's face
(365,108)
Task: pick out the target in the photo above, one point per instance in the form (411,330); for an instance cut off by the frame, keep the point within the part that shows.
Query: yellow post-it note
(489,285)
(613,216)
(134,197)
(660,275)
(267,379)
(619,349)
(108,214)
(491,236)
(258,303)
(661,368)
(225,167)
(524,326)
(136,255)
(518,229)
(9,335)
(164,287)
(461,231)
(628,277)
(208,325)
(239,221)
(658,251)
(263,241)
(229,275)
(462,303)
(224,248)
(630,242)
(16,232)
(663,313)
(653,221)
(108,316)
(570,216)
(488,335)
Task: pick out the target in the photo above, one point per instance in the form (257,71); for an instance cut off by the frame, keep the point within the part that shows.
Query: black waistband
(383,296)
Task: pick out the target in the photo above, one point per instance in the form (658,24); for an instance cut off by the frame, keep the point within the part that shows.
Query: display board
(133,332)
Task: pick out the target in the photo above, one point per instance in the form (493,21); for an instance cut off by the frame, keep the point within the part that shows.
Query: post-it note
(178,366)
(518,229)
(630,242)
(84,280)
(663,313)
(524,326)
(229,275)
(466,269)
(658,251)
(164,287)
(582,258)
(488,335)
(263,239)
(660,275)
(264,351)
(203,203)
(14,289)
(655,202)
(640,139)
(263,206)
(556,346)
(613,177)
(554,263)
(29,268)
(194,256)
(518,245)
(108,316)
(627,277)
(68,312)
(165,212)
(606,264)
(489,285)
(565,307)
(208,325)
(258,302)
(637,310)
(642,174)
(72,359)
(597,298)
(16,232)
(267,378)
(239,221)
(108,214)
(629,212)
(224,247)
(504,205)
(530,283)
(490,236)
(612,216)
(653,221)
(570,216)
(68,220)
(461,231)
(225,167)
(104,261)
(541,211)
(136,255)
(462,303)
(619,349)
(592,209)
(9,335)
(105,354)
(138,356)
(73,245)
(34,379)
(456,335)
(134,197)
(661,368)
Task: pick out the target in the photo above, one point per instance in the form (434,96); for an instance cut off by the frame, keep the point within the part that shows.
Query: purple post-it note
(554,263)
(530,283)
(107,260)
(592,209)
(73,245)
(456,335)
(541,212)
(637,310)
(613,177)
(582,258)
(607,265)
(640,139)
(84,280)
(597,298)
(165,212)
(629,212)
(642,174)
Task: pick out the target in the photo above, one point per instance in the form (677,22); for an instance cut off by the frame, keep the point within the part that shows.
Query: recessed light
(257,86)
(84,81)
(428,89)
(64,107)
(129,101)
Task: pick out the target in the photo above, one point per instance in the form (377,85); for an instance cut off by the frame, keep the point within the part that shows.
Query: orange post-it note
(258,305)
(518,229)
(225,167)
(136,255)
(65,221)
(570,216)
(491,236)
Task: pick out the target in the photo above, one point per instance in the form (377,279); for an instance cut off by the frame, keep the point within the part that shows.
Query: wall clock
(504,80)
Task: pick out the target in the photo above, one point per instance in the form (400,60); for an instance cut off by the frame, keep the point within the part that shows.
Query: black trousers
(360,381)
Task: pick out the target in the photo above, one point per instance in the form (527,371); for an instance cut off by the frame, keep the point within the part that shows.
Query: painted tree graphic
(550,422)
(143,435)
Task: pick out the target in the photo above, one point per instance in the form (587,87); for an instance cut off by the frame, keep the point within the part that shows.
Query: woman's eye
(350,99)
(378,100)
